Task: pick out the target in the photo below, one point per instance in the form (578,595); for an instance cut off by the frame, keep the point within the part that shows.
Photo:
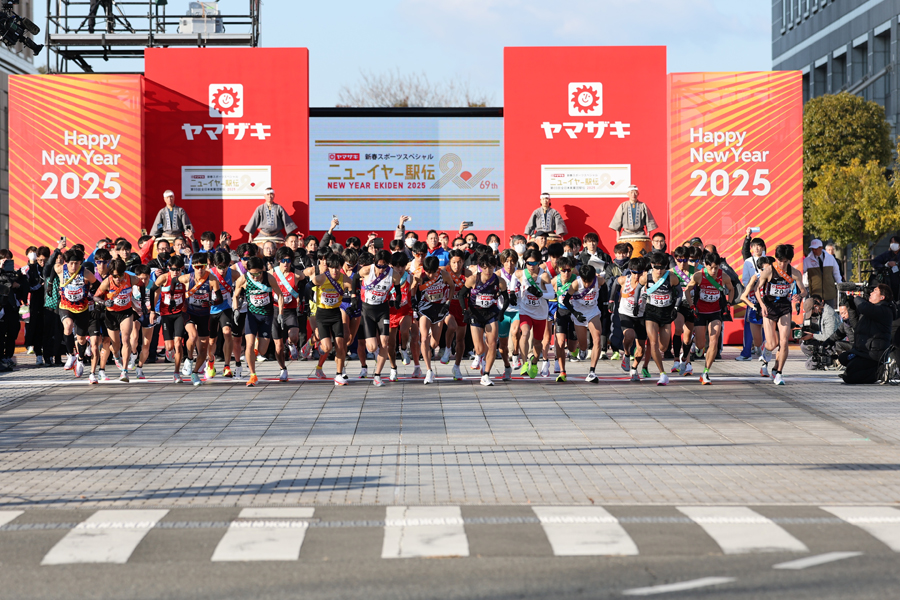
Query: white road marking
(678,587)
(739,530)
(424,531)
(264,540)
(107,536)
(8,515)
(882,522)
(814,561)
(584,531)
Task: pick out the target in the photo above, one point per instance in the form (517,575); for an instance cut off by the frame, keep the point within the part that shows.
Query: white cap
(632,188)
(815,244)
(268,190)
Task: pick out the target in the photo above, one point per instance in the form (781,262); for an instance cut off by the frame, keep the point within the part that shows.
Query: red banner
(584,123)
(222,125)
(75,158)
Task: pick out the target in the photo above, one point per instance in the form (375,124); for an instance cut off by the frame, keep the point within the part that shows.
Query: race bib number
(707,295)
(331,299)
(434,297)
(659,299)
(123,299)
(167,298)
(484,300)
(75,295)
(781,290)
(375,296)
(260,300)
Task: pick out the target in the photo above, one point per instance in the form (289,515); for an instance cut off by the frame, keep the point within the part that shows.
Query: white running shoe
(319,374)
(79,368)
(139,373)
(592,378)
(779,380)
(635,377)
(176,378)
(170,355)
(741,357)
(261,359)
(238,373)
(30,350)
(516,362)
(393,375)
(306,351)
(132,362)
(429,377)
(556,369)
(507,374)
(39,361)
(476,362)
(687,369)
(676,367)
(764,355)
(70,362)
(377,382)
(101,375)
(445,357)
(338,380)
(118,361)
(457,374)
(486,380)
(663,379)
(92,379)
(295,354)
(405,356)
(764,370)
(283,376)
(363,372)
(704,379)
(545,369)
(186,367)
(123,377)
(417,373)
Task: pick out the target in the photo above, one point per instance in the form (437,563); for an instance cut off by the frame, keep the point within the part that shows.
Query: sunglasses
(101,262)
(533,263)
(246,257)
(681,260)
(381,266)
(255,273)
(174,268)
(565,270)
(285,260)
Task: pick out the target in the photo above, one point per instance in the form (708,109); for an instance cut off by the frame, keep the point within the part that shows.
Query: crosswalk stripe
(881,522)
(584,531)
(107,536)
(263,540)
(815,561)
(681,586)
(738,530)
(8,515)
(430,531)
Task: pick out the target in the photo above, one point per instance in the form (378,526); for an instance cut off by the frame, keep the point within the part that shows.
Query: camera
(13,28)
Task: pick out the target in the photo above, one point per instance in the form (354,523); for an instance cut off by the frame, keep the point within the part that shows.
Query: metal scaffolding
(124,28)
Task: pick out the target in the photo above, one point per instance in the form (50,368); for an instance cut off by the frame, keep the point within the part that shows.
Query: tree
(394,89)
(852,204)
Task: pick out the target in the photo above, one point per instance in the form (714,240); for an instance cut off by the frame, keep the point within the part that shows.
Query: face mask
(494,246)
(32,256)
(894,248)
(568,254)
(410,241)
(520,249)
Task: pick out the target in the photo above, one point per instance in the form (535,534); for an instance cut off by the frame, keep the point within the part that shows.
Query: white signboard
(586,181)
(225,183)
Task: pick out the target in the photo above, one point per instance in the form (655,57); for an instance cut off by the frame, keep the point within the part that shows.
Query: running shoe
(603,355)
(186,367)
(176,377)
(377,382)
(545,369)
(261,359)
(295,354)
(318,374)
(210,370)
(573,356)
(363,372)
(393,375)
(39,361)
(417,373)
(123,377)
(525,367)
(615,355)
(92,379)
(704,379)
(507,374)
(556,368)
(101,375)
(405,357)
(253,380)
(645,373)
(195,380)
(635,377)
(561,378)
(70,362)
(226,372)
(686,369)
(118,361)
(476,362)
(238,372)
(532,369)
(344,376)
(79,368)
(486,380)
(457,374)
(592,378)
(132,364)
(764,370)
(445,357)
(626,359)
(676,367)
(663,379)
(30,350)
(742,358)
(338,380)
(139,372)
(516,362)
(283,376)
(306,351)
(779,380)
(429,377)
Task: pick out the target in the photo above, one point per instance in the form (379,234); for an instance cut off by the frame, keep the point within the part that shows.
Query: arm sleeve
(48,266)
(548,295)
(504,301)
(462,294)
(567,301)
(745,248)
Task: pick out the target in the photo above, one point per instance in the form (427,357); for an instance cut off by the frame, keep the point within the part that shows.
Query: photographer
(819,324)
(872,336)
(13,287)
(890,260)
(844,336)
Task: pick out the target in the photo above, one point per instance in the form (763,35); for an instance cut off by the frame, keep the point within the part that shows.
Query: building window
(805,87)
(881,92)
(838,73)
(820,80)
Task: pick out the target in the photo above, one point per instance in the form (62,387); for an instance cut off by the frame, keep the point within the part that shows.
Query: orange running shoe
(253,380)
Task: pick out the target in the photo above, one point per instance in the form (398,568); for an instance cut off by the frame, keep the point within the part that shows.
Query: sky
(462,40)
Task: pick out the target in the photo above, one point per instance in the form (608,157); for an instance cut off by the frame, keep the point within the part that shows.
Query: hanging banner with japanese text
(438,170)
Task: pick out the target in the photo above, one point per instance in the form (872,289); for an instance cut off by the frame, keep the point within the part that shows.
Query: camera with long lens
(14,28)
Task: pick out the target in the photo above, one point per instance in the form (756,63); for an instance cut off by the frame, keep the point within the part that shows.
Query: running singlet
(120,298)
(778,289)
(708,302)
(73,295)
(259,297)
(532,306)
(513,286)
(661,297)
(484,295)
(172,290)
(199,296)
(328,296)
(289,300)
(226,286)
(628,302)
(432,292)
(404,292)
(585,299)
(377,287)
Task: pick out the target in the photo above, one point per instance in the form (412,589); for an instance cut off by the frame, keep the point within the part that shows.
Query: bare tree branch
(394,89)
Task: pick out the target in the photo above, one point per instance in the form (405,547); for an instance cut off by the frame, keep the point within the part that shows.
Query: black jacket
(873,331)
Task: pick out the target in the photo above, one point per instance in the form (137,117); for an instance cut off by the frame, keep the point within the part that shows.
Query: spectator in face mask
(891,261)
(493,240)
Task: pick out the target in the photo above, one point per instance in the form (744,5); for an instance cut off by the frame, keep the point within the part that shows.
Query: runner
(171,310)
(664,296)
(775,293)
(456,324)
(401,314)
(375,281)
(510,323)
(118,288)
(239,316)
(202,291)
(535,289)
(566,337)
(350,314)
(709,289)
(632,305)
(73,306)
(143,328)
(554,253)
(259,286)
(99,336)
(432,289)
(330,287)
(487,301)
(287,329)
(683,325)
(761,265)
(583,300)
(221,315)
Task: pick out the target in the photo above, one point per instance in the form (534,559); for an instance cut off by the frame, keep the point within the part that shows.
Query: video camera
(13,28)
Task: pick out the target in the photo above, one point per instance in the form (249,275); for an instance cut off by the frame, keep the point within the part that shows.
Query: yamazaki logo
(335,156)
(585,99)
